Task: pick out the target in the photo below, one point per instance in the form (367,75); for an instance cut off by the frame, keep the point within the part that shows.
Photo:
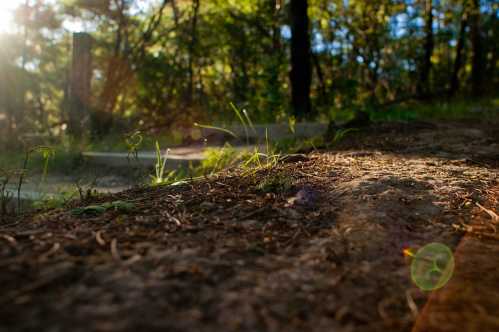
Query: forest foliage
(163,64)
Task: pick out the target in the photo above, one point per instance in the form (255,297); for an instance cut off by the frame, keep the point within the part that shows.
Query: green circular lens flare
(432,266)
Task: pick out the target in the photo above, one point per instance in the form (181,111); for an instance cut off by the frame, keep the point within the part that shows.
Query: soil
(315,243)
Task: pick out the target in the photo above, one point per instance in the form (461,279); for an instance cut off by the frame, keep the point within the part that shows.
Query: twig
(9,239)
(114,250)
(52,251)
(21,179)
(411,304)
(177,221)
(135,258)
(291,240)
(491,213)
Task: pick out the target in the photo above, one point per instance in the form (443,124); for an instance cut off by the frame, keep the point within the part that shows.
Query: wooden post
(80,83)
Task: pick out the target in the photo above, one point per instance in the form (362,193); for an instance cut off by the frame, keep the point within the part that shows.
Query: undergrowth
(65,157)
(275,184)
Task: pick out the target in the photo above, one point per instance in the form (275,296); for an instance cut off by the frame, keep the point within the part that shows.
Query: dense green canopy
(159,63)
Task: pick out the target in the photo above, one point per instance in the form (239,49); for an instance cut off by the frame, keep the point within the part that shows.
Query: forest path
(312,245)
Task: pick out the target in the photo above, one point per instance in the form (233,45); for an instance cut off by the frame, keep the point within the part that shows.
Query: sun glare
(7,14)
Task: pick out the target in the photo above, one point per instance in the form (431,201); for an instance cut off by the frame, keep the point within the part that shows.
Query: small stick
(411,304)
(114,250)
(491,213)
(55,248)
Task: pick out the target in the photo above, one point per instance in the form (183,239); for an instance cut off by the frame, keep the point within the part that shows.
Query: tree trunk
(454,83)
(81,76)
(423,86)
(476,42)
(493,48)
(192,49)
(116,77)
(320,76)
(301,70)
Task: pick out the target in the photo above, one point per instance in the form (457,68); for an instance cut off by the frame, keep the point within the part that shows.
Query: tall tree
(81,76)
(423,84)
(476,42)
(461,38)
(301,70)
(192,48)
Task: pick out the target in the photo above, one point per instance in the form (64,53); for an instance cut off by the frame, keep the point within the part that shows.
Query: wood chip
(114,250)
(134,259)
(9,239)
(55,248)
(99,239)
(411,304)
(491,213)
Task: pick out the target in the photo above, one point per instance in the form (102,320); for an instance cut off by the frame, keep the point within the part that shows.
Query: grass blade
(216,128)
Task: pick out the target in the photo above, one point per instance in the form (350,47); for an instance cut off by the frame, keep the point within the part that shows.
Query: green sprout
(275,184)
(133,143)
(160,167)
(5,195)
(245,121)
(292,124)
(340,134)
(47,152)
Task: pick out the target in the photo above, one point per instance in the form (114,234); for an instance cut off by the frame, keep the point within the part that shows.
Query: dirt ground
(314,244)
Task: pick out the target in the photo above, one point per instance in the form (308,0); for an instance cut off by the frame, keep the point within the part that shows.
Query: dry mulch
(314,244)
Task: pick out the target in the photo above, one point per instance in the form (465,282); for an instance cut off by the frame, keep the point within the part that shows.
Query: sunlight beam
(7,14)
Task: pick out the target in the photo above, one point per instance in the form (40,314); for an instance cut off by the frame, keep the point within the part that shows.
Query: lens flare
(432,266)
(408,252)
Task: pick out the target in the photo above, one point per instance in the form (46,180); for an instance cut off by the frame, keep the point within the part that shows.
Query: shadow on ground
(322,254)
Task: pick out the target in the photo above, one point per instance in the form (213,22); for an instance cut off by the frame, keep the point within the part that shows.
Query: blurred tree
(163,64)
(34,69)
(476,41)
(454,84)
(301,73)
(424,84)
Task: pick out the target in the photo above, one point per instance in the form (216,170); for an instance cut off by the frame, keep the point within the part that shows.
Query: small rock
(306,197)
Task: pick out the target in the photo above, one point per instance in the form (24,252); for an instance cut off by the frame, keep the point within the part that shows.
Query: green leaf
(89,210)
(123,206)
